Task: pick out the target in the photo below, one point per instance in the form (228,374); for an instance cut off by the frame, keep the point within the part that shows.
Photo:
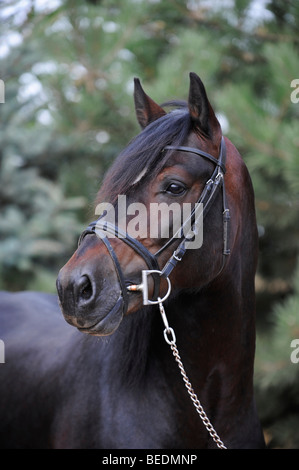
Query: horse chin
(104,326)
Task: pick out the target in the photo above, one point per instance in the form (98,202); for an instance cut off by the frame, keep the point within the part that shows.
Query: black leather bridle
(207,197)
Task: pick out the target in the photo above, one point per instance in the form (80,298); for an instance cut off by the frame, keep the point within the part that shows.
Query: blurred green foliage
(68,69)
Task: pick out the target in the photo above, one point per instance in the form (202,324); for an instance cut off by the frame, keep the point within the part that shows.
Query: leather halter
(207,197)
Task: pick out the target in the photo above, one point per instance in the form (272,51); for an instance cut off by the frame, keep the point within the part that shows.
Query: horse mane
(144,153)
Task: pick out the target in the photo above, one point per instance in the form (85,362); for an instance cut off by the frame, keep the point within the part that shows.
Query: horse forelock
(144,154)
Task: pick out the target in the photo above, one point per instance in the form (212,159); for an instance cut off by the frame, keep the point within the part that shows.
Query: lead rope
(170,339)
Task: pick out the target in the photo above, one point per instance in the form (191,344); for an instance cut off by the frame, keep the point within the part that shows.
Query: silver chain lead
(170,339)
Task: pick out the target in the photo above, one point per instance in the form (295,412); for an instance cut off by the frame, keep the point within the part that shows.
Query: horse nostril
(84,288)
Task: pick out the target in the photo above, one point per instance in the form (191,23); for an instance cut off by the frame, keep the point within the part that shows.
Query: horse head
(171,206)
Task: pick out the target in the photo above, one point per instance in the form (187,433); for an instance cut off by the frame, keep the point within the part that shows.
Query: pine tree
(68,112)
(277,372)
(66,94)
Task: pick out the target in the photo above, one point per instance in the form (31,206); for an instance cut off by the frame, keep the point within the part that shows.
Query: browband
(217,161)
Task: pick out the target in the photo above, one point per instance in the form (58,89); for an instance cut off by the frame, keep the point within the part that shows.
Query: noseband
(206,199)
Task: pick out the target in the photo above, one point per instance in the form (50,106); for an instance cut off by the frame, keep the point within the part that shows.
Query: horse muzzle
(90,296)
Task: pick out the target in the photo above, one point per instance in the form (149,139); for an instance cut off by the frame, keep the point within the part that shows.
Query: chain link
(172,342)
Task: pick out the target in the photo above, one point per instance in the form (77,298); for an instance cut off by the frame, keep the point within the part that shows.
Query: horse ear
(146,109)
(201,110)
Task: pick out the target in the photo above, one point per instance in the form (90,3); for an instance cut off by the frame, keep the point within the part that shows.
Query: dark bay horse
(119,386)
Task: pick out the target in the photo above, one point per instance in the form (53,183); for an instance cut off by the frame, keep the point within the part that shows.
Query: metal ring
(152,302)
(169,331)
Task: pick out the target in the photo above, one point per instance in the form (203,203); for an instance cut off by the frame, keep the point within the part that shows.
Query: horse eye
(176,189)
